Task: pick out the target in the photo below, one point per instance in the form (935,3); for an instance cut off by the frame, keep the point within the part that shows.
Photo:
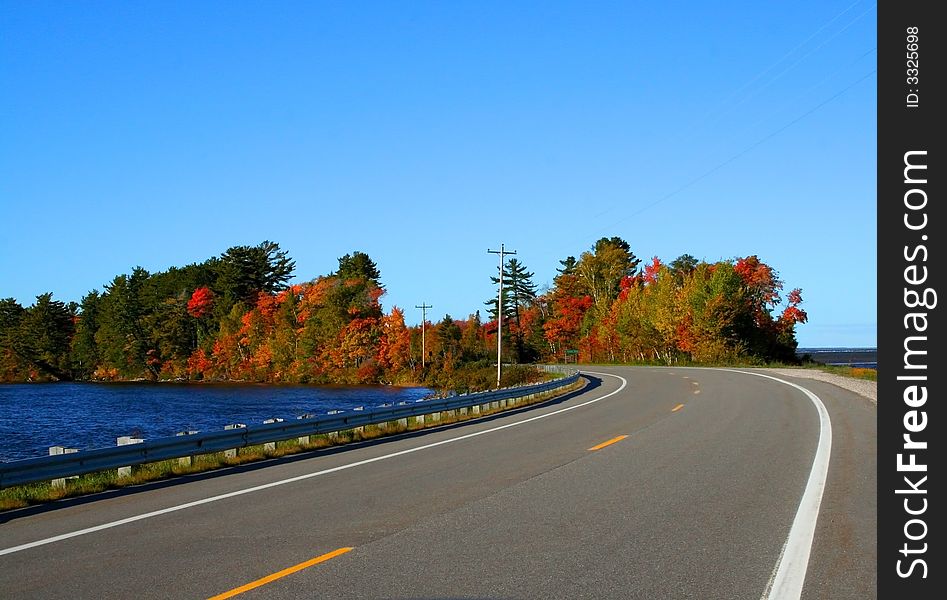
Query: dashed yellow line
(677,408)
(609,442)
(280,574)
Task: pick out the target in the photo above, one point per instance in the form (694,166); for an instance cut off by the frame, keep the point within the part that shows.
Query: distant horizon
(831,348)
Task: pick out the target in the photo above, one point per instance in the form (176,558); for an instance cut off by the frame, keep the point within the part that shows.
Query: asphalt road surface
(650,483)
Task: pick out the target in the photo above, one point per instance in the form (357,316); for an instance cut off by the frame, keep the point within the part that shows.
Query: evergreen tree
(121,338)
(448,336)
(13,367)
(11,313)
(358,265)
(682,266)
(519,292)
(568,266)
(44,335)
(85,352)
(246,271)
(174,332)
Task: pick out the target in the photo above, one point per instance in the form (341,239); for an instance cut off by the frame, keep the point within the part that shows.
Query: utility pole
(502,252)
(423,308)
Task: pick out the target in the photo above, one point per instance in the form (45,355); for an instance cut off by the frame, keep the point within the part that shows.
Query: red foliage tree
(651,270)
(792,314)
(201,302)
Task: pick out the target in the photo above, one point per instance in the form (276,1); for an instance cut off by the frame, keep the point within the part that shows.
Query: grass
(21,496)
(854,372)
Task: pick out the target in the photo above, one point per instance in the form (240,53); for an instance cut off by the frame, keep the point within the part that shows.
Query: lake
(850,357)
(34,417)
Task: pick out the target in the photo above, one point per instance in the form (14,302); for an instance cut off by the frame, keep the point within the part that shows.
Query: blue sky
(424,133)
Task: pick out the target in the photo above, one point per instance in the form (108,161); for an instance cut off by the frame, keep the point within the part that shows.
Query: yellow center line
(609,442)
(280,574)
(677,408)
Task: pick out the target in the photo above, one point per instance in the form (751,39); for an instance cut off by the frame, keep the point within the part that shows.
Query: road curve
(650,483)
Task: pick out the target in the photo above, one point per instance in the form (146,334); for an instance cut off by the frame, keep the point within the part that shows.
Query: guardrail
(58,466)
(564,369)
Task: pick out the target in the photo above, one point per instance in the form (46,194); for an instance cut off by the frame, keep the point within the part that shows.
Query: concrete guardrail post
(303,440)
(126,440)
(333,435)
(357,431)
(384,425)
(271,446)
(55,451)
(185,461)
(232,452)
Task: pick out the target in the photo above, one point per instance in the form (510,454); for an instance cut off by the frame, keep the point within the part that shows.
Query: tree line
(235,317)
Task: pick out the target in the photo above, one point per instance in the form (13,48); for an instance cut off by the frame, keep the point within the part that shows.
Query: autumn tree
(394,345)
(712,299)
(234,317)
(567,303)
(785,349)
(201,302)
(602,269)
(472,339)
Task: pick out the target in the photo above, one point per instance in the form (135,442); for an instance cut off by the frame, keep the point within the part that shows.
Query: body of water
(34,417)
(849,357)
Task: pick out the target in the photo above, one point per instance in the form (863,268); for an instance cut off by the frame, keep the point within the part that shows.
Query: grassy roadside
(40,493)
(853,372)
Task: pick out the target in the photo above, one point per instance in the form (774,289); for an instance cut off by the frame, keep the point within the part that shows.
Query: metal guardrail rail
(46,468)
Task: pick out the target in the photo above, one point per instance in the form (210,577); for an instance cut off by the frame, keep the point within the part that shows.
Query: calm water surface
(88,415)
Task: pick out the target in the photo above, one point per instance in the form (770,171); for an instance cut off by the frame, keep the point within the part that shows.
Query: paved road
(696,502)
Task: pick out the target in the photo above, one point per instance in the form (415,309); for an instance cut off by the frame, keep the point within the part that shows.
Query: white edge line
(171,509)
(789,574)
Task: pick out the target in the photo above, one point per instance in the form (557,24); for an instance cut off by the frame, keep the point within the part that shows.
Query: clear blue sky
(424,133)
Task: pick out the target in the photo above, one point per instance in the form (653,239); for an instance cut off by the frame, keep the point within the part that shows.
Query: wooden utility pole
(423,308)
(502,252)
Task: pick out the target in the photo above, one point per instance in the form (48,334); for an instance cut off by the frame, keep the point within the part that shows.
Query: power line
(729,104)
(799,60)
(739,154)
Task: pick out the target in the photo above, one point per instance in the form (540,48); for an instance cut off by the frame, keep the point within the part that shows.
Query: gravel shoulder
(863,387)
